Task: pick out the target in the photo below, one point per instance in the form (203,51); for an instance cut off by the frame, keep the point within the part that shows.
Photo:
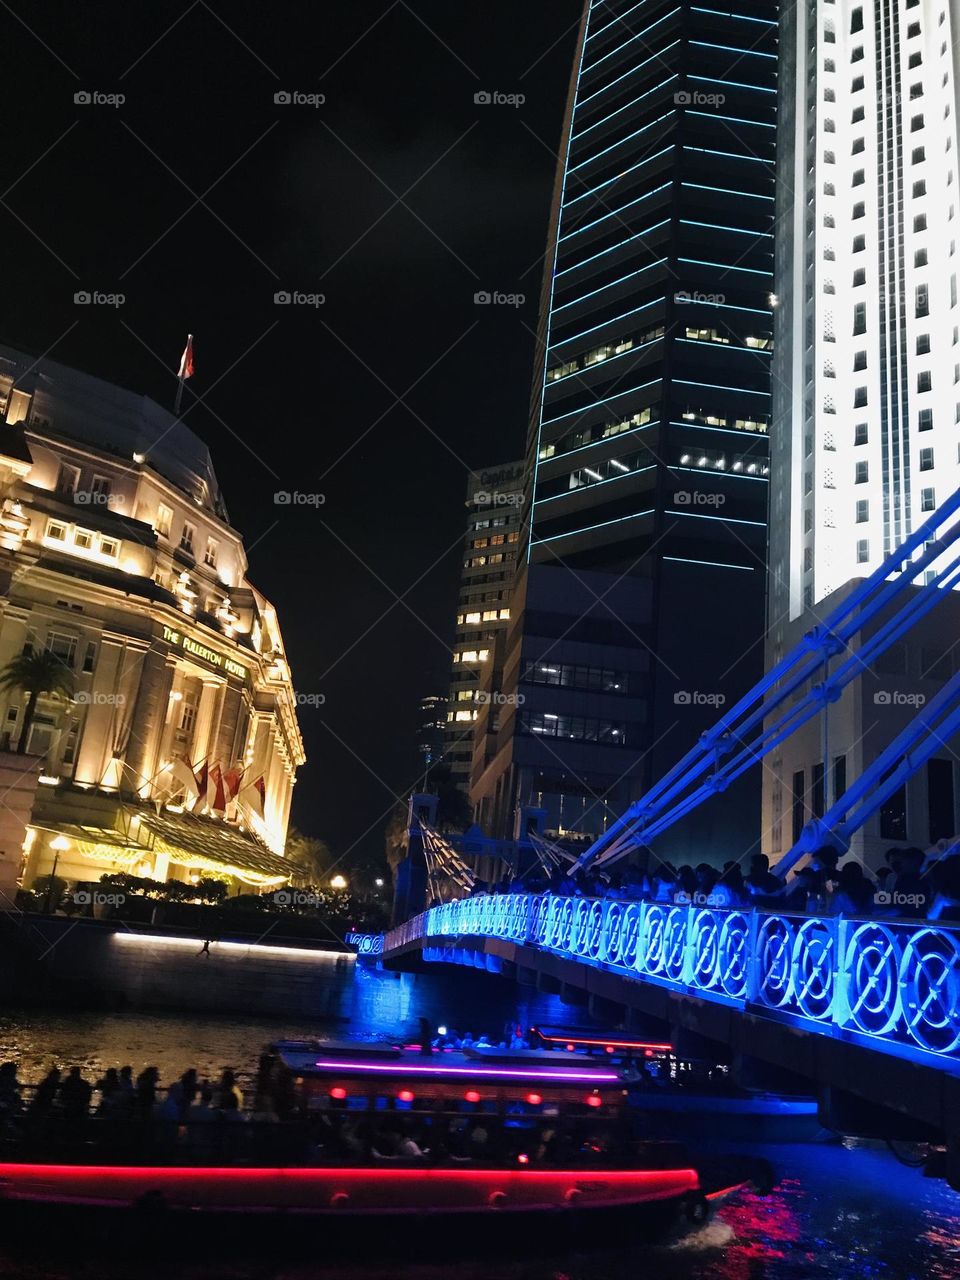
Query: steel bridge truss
(768,714)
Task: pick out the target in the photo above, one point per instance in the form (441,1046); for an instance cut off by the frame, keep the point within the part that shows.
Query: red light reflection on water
(766,1228)
(943,1235)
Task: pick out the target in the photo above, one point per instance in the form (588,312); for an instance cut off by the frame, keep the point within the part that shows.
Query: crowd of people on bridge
(912,884)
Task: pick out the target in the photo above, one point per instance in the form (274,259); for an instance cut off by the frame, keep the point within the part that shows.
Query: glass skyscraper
(640,601)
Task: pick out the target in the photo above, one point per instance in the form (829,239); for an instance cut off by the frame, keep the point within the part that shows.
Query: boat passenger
(146,1095)
(127,1089)
(201,1111)
(108,1086)
(426,1037)
(386,1144)
(11,1104)
(408,1148)
(41,1105)
(228,1088)
(75,1095)
(478,1139)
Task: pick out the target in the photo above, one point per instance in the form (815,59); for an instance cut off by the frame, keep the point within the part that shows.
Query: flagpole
(184,372)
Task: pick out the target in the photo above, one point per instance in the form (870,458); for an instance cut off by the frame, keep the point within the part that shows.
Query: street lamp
(338,882)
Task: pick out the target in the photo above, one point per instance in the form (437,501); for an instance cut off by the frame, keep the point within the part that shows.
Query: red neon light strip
(231,1173)
(616,1044)
(402,1069)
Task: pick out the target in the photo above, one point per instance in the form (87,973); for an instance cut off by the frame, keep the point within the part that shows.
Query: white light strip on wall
(295,953)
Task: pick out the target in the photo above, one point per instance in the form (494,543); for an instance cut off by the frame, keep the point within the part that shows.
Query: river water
(843,1210)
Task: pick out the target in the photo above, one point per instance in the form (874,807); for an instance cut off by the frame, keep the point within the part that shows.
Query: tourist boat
(394,1133)
(671,1096)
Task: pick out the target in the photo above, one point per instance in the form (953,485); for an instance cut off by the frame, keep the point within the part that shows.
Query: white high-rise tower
(865,437)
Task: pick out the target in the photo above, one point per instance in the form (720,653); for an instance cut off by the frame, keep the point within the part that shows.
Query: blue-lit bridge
(860,1006)
(867,1011)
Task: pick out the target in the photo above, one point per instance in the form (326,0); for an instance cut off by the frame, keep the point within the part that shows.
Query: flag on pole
(184,776)
(186,360)
(254,796)
(184,372)
(219,802)
(232,779)
(203,786)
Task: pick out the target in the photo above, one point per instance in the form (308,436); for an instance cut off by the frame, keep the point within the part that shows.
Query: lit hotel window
(67,480)
(109,547)
(56,531)
(210,555)
(83,538)
(472,617)
(62,647)
(164,520)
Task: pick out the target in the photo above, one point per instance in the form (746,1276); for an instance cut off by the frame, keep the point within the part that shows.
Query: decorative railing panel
(896,982)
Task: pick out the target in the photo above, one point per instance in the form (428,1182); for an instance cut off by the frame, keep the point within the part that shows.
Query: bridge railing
(896,982)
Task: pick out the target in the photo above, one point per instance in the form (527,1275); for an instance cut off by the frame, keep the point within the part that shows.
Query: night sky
(198,197)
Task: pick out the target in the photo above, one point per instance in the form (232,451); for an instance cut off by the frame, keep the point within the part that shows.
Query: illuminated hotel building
(641,596)
(117,556)
(866,393)
(494,504)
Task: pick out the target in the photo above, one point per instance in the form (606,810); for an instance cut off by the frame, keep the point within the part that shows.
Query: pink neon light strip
(404,1070)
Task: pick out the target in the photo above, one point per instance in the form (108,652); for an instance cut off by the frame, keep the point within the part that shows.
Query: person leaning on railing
(944,881)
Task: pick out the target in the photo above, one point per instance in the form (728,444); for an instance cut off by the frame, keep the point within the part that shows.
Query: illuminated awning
(102,843)
(209,845)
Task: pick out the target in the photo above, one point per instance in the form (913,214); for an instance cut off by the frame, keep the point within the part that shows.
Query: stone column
(149,718)
(227,749)
(208,721)
(102,712)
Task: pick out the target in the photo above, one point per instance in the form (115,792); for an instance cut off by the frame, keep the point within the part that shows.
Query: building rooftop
(78,406)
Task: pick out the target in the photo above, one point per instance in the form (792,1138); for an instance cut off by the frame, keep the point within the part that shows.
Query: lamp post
(58,844)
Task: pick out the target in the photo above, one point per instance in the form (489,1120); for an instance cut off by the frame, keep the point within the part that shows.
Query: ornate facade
(118,557)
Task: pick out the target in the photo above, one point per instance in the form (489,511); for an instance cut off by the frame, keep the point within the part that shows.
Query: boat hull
(342,1191)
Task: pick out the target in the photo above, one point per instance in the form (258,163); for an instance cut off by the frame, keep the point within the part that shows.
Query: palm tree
(311,853)
(36,673)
